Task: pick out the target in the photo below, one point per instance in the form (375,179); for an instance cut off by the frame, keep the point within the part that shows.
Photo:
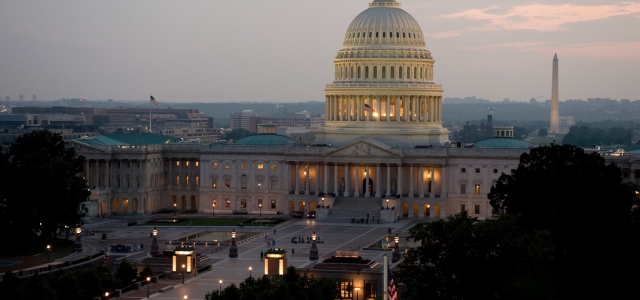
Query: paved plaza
(337,236)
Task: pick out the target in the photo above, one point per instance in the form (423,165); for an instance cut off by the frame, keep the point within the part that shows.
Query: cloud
(443,35)
(544,17)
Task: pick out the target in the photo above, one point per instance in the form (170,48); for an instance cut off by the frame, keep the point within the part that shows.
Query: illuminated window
(214,165)
(273,203)
(177,179)
(227,166)
(280,266)
(186,180)
(345,289)
(227,203)
(273,166)
(214,185)
(260,166)
(227,183)
(476,189)
(197,163)
(187,163)
(243,203)
(197,180)
(178,163)
(260,184)
(243,166)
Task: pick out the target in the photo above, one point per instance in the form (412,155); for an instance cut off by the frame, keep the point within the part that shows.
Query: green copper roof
(265,139)
(502,143)
(127,139)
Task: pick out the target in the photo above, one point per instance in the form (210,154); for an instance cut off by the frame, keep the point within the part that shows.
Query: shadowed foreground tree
(463,258)
(40,186)
(291,286)
(590,212)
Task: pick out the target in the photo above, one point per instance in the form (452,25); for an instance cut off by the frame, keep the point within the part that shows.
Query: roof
(127,139)
(502,143)
(265,139)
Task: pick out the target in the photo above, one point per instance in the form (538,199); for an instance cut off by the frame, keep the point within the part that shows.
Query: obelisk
(554,127)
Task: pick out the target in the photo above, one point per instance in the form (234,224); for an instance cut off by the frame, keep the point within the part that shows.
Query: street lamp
(260,205)
(220,289)
(385,282)
(313,254)
(77,245)
(148,285)
(214,209)
(48,251)
(106,295)
(323,202)
(387,203)
(233,249)
(357,290)
(396,249)
(183,274)
(249,271)
(175,209)
(155,248)
(185,297)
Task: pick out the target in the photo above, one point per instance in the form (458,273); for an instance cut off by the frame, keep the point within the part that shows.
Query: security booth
(275,262)
(183,261)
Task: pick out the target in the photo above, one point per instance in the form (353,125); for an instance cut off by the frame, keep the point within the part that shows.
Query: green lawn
(200,221)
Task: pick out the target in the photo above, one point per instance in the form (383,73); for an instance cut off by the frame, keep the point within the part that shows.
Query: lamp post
(175,209)
(387,203)
(249,271)
(357,290)
(313,254)
(183,267)
(155,249)
(148,285)
(106,295)
(260,205)
(385,279)
(77,245)
(213,211)
(220,289)
(185,297)
(323,202)
(396,249)
(48,251)
(233,249)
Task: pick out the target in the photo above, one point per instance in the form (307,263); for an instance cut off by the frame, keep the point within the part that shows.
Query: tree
(37,289)
(66,285)
(10,287)
(237,134)
(40,186)
(126,273)
(543,132)
(560,189)
(463,258)
(147,271)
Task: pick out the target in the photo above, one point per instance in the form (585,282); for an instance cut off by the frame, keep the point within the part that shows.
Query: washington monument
(554,127)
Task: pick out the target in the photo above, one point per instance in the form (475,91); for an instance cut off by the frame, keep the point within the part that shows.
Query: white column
(349,113)
(335,179)
(357,185)
(397,109)
(410,180)
(316,191)
(346,180)
(399,183)
(378,180)
(325,182)
(297,177)
(306,179)
(388,166)
(421,178)
(387,110)
(366,185)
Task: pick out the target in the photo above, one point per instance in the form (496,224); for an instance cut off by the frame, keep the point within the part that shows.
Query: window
(214,203)
(243,182)
(463,189)
(404,35)
(259,203)
(463,170)
(476,209)
(186,180)
(375,72)
(214,185)
(274,184)
(243,166)
(415,73)
(366,72)
(177,179)
(393,72)
(227,166)
(384,72)
(197,163)
(384,34)
(227,183)
(463,208)
(273,203)
(260,166)
(227,203)
(178,163)
(243,203)
(495,171)
(513,171)
(370,290)
(359,72)
(477,170)
(273,166)
(397,34)
(376,34)
(345,289)
(197,180)
(214,165)
(187,163)
(260,185)
(476,189)
(408,73)
(351,75)
(399,72)
(369,33)
(391,34)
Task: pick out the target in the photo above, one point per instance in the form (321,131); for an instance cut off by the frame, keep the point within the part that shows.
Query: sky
(283,50)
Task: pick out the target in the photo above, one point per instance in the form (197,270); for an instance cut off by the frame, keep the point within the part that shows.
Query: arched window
(384,34)
(376,34)
(358,34)
(369,34)
(384,72)
(391,34)
(375,72)
(393,72)
(421,73)
(414,35)
(399,72)
(415,72)
(404,35)
(366,72)
(351,74)
(408,73)
(359,73)
(397,34)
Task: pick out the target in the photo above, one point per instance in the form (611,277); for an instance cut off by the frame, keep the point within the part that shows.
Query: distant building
(21,97)
(565,124)
(34,98)
(247,120)
(636,133)
(7,98)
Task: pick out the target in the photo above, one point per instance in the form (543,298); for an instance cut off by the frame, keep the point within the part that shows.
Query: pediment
(367,147)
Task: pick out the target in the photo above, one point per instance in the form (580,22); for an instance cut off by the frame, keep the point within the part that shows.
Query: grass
(212,221)
(35,246)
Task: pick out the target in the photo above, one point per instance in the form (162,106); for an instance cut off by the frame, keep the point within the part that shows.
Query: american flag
(393,295)
(153,100)
(368,108)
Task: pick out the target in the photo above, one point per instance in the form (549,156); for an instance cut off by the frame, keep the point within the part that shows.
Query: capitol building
(382,151)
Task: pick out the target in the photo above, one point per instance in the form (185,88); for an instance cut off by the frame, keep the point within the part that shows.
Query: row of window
(357,72)
(477,170)
(243,183)
(409,35)
(243,203)
(476,208)
(244,166)
(476,189)
(187,163)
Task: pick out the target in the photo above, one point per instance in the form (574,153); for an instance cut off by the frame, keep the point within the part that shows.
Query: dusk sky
(283,50)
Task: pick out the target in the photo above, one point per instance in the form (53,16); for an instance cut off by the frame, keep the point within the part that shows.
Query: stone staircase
(346,208)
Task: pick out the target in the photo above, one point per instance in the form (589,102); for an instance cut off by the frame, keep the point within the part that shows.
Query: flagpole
(150,131)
